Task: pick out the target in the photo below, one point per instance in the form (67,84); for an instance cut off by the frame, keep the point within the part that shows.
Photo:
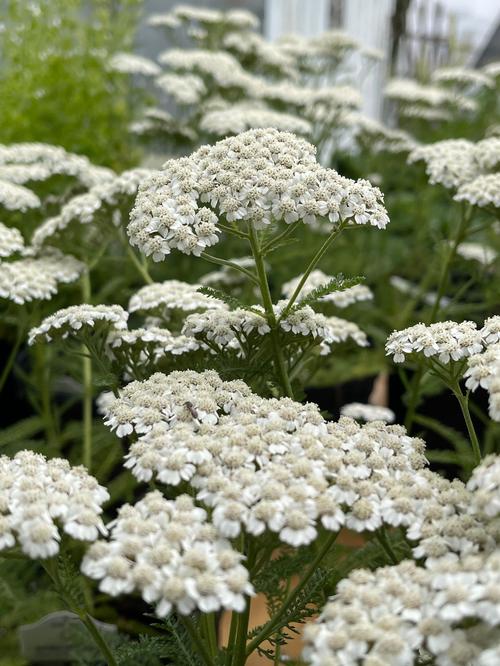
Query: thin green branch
(276,622)
(230,264)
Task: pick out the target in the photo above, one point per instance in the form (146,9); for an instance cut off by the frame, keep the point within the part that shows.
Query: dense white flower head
(380,137)
(254,177)
(484,369)
(492,69)
(168,552)
(24,162)
(483,254)
(455,162)
(17,197)
(363,412)
(463,77)
(389,616)
(142,346)
(37,277)
(485,487)
(228,328)
(39,496)
(278,465)
(238,118)
(446,341)
(482,191)
(341,299)
(70,321)
(220,66)
(171,398)
(183,88)
(83,208)
(408,91)
(163,297)
(11,240)
(232,19)
(130,63)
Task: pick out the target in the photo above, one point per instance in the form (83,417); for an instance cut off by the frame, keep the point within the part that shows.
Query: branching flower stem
(443,281)
(267,302)
(280,618)
(230,264)
(87,385)
(463,400)
(312,265)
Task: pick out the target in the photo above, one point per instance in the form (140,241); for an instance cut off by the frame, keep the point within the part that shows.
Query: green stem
(208,620)
(276,622)
(272,243)
(267,302)
(312,265)
(50,567)
(386,546)
(191,629)
(142,269)
(87,385)
(230,264)
(239,655)
(463,400)
(443,281)
(12,356)
(98,639)
(450,257)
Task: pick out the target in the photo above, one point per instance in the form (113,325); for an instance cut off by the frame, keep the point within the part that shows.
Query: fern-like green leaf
(337,283)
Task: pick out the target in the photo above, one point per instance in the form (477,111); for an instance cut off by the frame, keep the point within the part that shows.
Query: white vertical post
(369,22)
(300,17)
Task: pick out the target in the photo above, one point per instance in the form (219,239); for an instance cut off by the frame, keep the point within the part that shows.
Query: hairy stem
(267,302)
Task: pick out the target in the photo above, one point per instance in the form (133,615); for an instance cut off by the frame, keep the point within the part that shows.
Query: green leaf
(231,301)
(337,283)
(24,429)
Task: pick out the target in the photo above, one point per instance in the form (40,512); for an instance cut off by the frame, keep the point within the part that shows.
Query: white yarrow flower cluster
(454,163)
(130,63)
(168,552)
(70,321)
(485,487)
(38,277)
(463,77)
(17,197)
(253,177)
(483,191)
(278,465)
(24,162)
(179,396)
(446,341)
(164,297)
(185,89)
(484,370)
(227,328)
(483,254)
(341,298)
(389,616)
(241,117)
(38,496)
(11,240)
(364,412)
(83,208)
